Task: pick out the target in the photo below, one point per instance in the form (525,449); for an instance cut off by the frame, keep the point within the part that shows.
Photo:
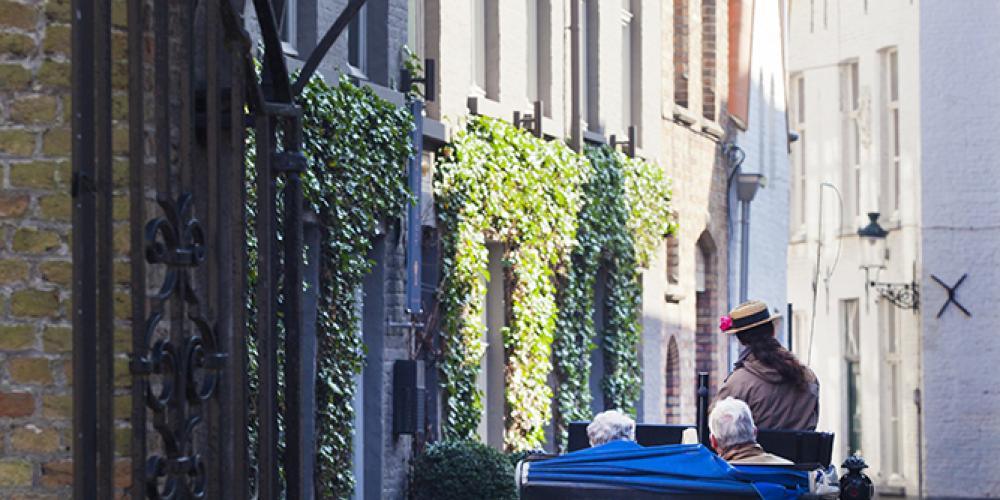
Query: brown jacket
(774,402)
(752,454)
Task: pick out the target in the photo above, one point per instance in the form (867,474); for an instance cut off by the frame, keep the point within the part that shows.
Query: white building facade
(885,127)
(855,104)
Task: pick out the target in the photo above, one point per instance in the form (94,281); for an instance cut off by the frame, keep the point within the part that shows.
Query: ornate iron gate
(188,257)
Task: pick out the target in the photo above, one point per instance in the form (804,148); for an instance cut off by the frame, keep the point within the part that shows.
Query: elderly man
(612,426)
(734,436)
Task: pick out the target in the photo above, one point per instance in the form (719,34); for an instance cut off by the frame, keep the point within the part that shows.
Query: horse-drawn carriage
(665,468)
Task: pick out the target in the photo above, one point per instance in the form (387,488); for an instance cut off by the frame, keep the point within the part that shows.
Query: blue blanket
(678,469)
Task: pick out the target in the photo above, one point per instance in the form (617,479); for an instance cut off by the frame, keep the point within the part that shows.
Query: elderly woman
(611,426)
(734,436)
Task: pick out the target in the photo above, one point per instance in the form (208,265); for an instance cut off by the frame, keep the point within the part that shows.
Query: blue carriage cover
(676,468)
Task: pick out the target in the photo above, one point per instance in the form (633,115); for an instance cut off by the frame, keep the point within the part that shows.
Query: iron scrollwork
(903,295)
(181,371)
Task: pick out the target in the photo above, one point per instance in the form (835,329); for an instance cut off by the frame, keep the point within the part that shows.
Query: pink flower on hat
(725,323)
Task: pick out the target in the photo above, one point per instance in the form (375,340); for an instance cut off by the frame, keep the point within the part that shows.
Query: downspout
(576,132)
(744,248)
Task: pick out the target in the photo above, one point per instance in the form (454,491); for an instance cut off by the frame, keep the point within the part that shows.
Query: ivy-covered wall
(496,182)
(626,213)
(559,215)
(357,145)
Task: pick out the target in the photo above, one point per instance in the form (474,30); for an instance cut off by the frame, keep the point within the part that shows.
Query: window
(799,176)
(531,9)
(630,52)
(289,27)
(891,391)
(357,42)
(851,110)
(542,62)
(588,46)
(812,16)
(708,59)
(478,45)
(891,174)
(415,26)
(681,51)
(485,47)
(850,328)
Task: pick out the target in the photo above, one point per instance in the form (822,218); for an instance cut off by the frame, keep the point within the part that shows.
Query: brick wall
(35,249)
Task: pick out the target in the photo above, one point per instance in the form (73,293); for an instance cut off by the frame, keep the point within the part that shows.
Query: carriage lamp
(874,257)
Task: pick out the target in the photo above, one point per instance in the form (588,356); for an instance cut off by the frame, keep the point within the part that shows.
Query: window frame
(891,186)
(360,22)
(850,103)
(628,18)
(289,29)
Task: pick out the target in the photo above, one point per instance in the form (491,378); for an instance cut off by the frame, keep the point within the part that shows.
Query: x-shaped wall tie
(951,295)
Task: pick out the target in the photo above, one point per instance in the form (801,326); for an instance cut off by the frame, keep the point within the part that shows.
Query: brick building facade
(35,236)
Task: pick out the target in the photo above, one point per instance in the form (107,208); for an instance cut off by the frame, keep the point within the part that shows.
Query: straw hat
(746,316)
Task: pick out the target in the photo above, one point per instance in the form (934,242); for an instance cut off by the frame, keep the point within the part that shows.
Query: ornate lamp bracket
(903,295)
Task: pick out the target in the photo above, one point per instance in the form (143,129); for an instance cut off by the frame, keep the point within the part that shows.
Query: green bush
(461,470)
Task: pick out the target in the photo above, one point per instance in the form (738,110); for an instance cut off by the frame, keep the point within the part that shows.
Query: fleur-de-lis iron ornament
(180,371)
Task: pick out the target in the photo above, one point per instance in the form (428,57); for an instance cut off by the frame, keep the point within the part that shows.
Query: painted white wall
(823,35)
(960,65)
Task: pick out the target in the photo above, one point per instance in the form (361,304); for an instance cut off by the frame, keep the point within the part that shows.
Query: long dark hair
(762,344)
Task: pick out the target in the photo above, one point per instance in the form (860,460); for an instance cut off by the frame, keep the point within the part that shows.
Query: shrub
(461,470)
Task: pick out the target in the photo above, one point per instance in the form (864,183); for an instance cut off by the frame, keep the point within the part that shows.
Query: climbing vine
(356,145)
(625,215)
(498,183)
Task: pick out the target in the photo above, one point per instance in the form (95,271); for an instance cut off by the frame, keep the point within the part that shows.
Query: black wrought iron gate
(193,91)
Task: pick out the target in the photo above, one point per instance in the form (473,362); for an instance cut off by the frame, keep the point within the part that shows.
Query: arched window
(705,303)
(672,393)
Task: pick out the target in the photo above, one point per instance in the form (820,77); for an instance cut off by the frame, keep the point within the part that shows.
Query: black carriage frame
(189,390)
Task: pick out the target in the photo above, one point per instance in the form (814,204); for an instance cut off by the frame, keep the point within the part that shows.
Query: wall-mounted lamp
(428,80)
(874,257)
(747,185)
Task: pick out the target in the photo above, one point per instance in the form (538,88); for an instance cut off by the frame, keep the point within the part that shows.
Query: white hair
(731,423)
(609,426)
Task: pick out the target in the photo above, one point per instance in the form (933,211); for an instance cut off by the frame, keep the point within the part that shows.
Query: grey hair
(609,426)
(732,423)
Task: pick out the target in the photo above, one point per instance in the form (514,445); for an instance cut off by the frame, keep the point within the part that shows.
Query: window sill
(713,129)
(799,236)
(684,116)
(289,50)
(591,137)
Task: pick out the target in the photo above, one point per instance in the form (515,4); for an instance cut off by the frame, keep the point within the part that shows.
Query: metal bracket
(629,145)
(428,80)
(951,295)
(903,295)
(530,121)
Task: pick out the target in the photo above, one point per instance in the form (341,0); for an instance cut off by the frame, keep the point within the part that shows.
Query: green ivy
(356,145)
(495,182)
(625,215)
